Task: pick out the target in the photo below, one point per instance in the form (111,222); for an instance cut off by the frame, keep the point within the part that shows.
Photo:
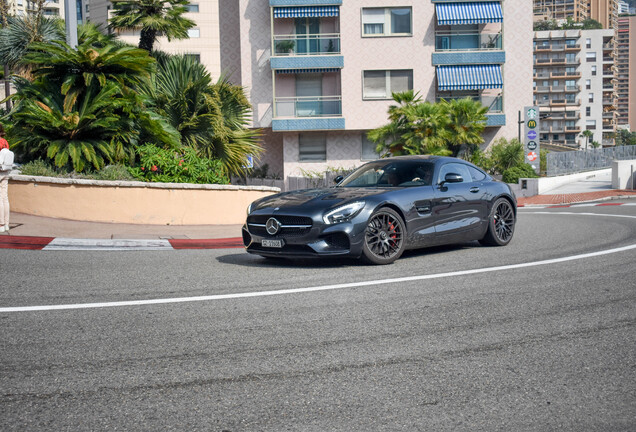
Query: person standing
(6,163)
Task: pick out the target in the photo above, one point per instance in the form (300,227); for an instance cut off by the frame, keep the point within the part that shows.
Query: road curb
(60,243)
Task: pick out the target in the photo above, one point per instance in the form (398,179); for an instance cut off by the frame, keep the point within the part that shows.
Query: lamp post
(70,16)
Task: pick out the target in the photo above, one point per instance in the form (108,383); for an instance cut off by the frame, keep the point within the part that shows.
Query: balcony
(307,45)
(458,41)
(308,106)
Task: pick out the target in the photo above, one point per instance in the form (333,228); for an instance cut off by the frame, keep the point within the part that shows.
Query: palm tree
(587,134)
(153,17)
(16,35)
(211,117)
(467,123)
(414,127)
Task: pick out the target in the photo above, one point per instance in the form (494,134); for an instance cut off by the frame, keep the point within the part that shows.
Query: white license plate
(272,243)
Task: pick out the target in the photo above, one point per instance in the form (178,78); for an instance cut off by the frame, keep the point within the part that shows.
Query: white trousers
(4,198)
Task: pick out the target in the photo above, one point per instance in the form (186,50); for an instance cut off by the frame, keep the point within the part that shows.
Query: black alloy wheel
(384,237)
(501,224)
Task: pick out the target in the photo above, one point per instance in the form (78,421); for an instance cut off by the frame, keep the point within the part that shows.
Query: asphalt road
(513,343)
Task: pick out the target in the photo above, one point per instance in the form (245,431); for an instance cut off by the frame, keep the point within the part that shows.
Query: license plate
(272,243)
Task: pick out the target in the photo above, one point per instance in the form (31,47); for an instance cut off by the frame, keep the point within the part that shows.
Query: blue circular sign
(532,135)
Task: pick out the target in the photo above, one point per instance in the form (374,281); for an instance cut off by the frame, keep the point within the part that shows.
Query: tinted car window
(455,168)
(391,174)
(476,174)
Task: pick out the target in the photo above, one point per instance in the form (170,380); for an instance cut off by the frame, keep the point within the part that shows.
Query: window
(588,84)
(382,84)
(594,70)
(455,168)
(590,124)
(194,33)
(590,97)
(386,21)
(590,56)
(588,43)
(312,147)
(570,84)
(192,7)
(570,57)
(476,174)
(368,149)
(570,42)
(588,111)
(555,137)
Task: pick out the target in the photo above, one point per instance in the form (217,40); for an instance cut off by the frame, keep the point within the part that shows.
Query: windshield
(391,174)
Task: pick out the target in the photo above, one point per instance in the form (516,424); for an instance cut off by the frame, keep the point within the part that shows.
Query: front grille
(291,226)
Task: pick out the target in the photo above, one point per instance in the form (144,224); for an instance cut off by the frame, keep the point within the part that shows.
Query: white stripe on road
(580,214)
(316,288)
(107,244)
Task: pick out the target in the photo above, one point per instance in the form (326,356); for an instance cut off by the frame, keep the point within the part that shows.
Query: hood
(325,198)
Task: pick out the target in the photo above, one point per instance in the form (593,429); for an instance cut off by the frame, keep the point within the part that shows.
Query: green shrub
(42,168)
(113,172)
(512,175)
(169,166)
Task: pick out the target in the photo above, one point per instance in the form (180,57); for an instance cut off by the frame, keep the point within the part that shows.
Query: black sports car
(383,208)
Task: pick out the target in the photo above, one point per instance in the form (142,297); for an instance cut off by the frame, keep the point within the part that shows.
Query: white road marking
(581,214)
(316,288)
(61,243)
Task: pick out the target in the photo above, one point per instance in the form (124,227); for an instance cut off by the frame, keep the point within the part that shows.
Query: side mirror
(451,178)
(338,179)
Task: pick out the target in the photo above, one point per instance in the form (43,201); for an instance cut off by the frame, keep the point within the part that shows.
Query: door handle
(474,189)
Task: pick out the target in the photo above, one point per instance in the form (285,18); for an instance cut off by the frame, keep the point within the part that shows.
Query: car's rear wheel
(384,237)
(501,224)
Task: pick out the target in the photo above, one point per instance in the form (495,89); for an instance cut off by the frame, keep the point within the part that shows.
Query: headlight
(249,209)
(343,213)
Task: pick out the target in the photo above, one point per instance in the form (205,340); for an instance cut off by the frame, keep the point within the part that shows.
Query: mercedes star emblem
(272,226)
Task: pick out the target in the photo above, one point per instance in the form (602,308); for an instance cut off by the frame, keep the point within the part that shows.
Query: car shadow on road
(255,261)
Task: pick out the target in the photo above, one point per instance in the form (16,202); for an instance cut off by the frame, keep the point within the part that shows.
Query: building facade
(574,86)
(320,73)
(626,72)
(204,42)
(561,9)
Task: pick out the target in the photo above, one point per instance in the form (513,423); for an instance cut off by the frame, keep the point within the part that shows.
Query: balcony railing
(445,41)
(308,106)
(307,44)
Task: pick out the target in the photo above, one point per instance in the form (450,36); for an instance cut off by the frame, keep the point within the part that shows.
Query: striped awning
(314,70)
(468,13)
(469,77)
(306,11)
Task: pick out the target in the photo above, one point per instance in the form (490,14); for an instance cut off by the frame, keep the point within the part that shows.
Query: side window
(476,174)
(455,168)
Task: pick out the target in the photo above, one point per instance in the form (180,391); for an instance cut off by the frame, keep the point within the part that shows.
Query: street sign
(531,142)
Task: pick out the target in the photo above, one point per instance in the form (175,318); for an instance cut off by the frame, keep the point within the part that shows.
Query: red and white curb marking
(544,206)
(60,243)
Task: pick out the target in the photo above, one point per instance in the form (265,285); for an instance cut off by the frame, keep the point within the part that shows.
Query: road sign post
(531,147)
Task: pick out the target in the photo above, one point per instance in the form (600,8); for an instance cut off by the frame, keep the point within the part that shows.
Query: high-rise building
(561,10)
(574,86)
(626,72)
(605,12)
(321,73)
(51,8)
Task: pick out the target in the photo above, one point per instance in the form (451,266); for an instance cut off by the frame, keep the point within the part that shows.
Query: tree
(153,17)
(81,108)
(210,117)
(625,137)
(467,121)
(414,127)
(587,134)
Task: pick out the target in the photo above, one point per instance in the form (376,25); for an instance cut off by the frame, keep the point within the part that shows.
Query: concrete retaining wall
(133,202)
(624,174)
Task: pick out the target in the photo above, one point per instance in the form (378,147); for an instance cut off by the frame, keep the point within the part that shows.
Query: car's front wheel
(384,237)
(501,224)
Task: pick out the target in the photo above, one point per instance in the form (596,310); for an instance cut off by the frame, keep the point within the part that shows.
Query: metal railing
(307,44)
(308,106)
(592,159)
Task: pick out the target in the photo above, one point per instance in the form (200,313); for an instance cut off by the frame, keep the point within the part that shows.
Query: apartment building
(574,86)
(561,9)
(625,65)
(320,73)
(605,12)
(51,8)
(203,43)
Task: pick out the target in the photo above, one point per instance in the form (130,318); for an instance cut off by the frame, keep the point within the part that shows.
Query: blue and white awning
(468,13)
(469,77)
(314,70)
(306,11)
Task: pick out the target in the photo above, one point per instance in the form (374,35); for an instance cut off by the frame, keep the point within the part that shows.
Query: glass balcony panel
(309,106)
(308,44)
(445,41)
